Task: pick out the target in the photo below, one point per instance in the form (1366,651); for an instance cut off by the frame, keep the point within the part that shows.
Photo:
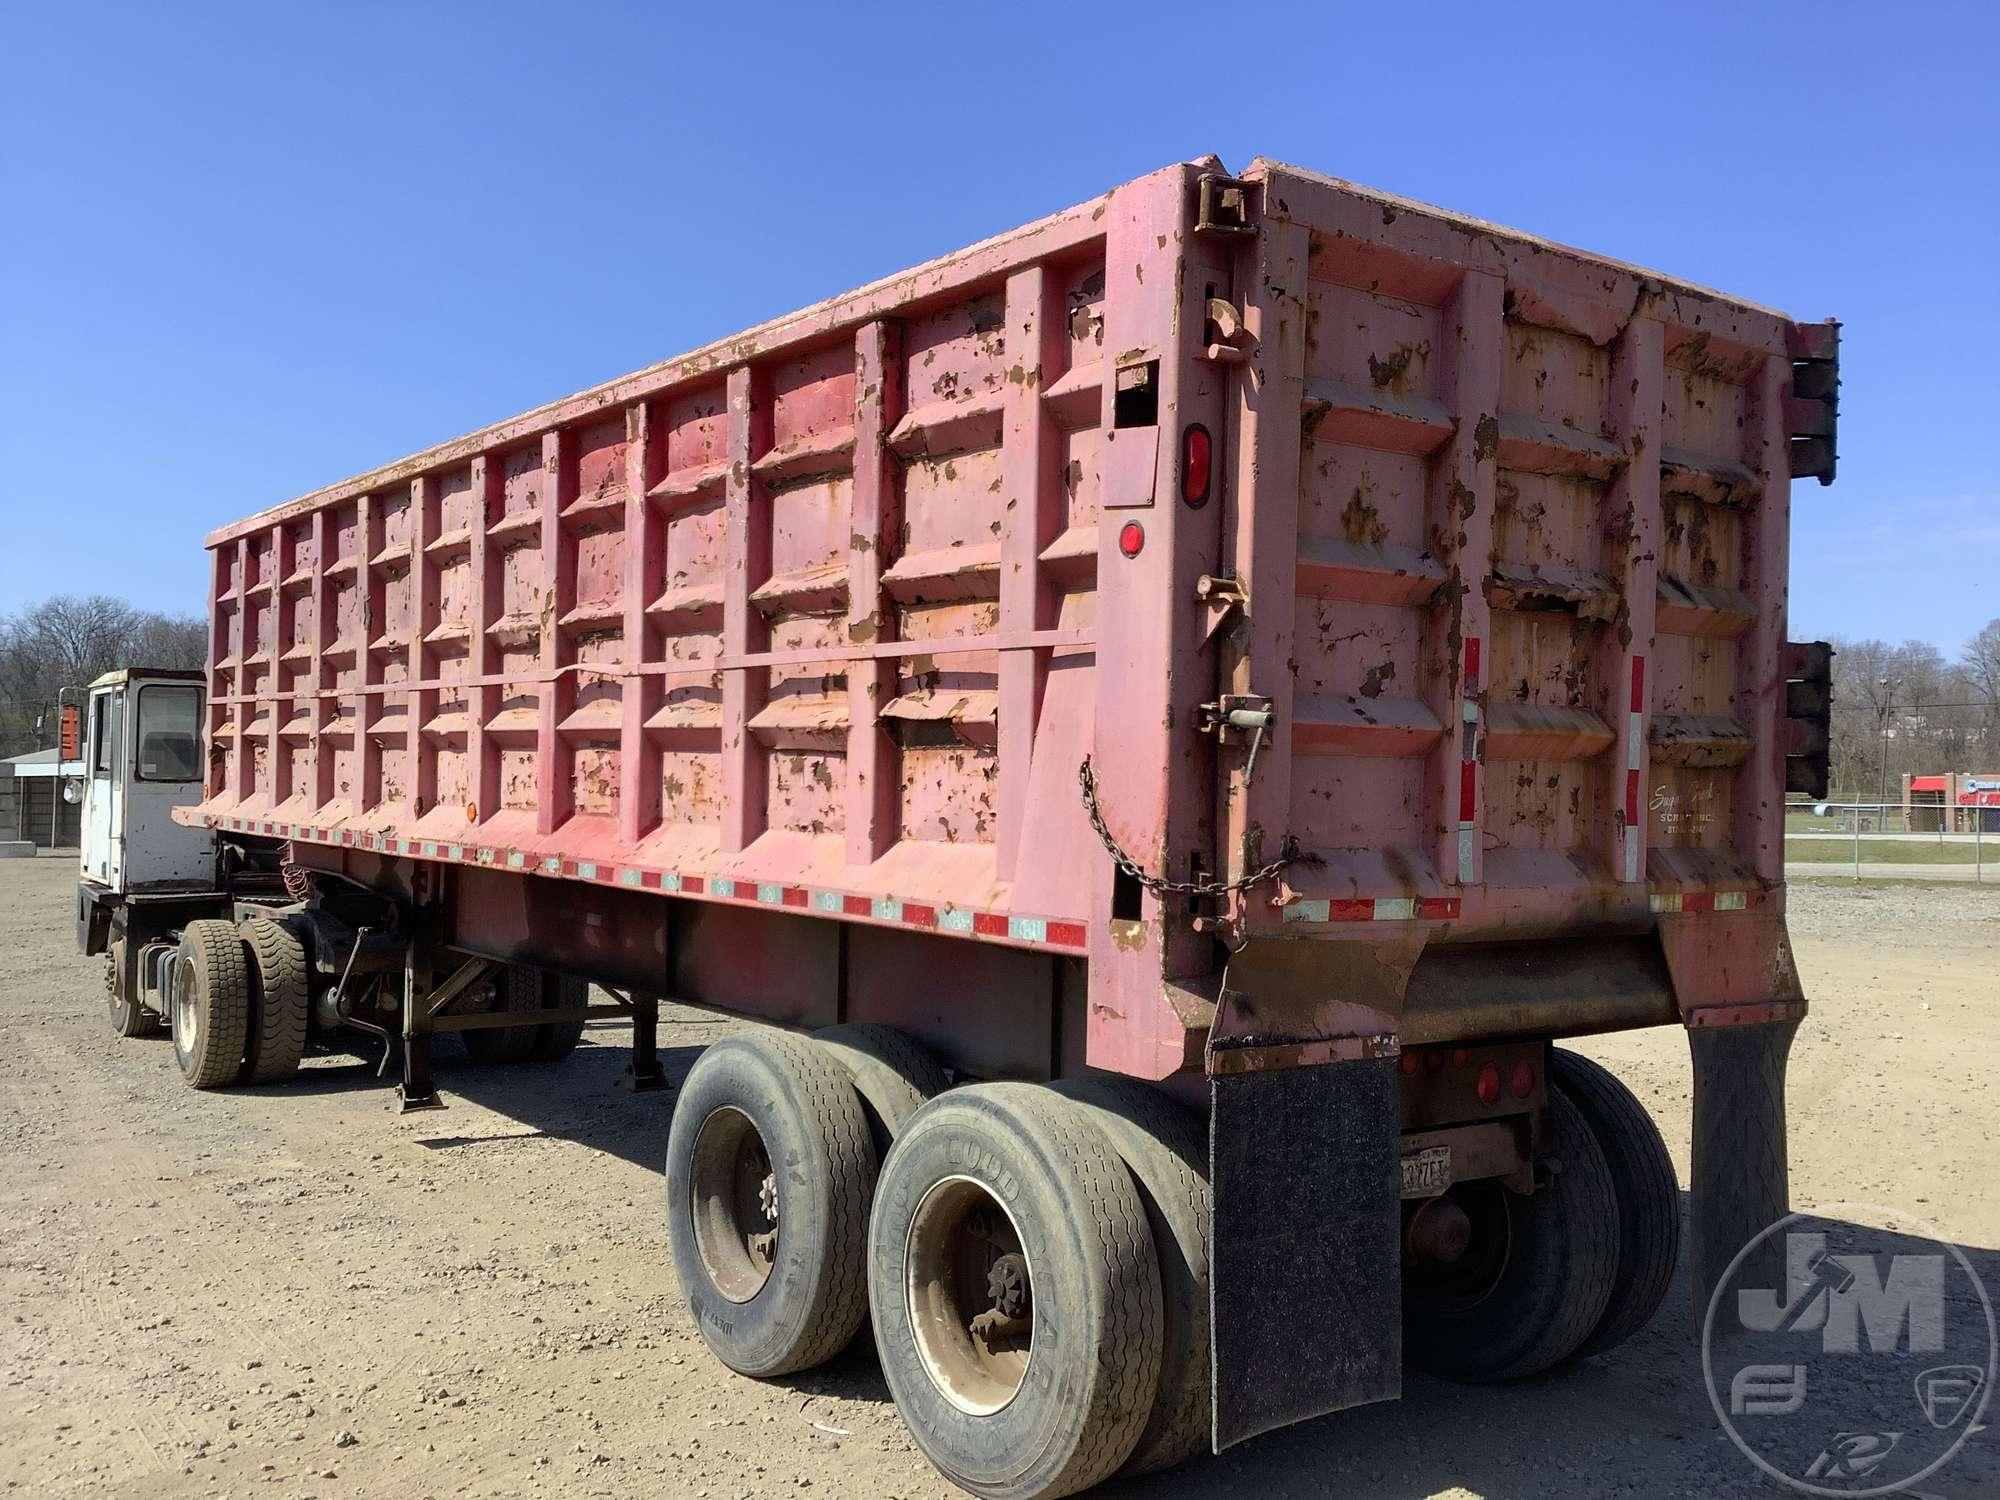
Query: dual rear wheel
(1034,1260)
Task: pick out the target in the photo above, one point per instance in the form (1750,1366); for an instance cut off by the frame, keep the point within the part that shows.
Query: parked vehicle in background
(1183,705)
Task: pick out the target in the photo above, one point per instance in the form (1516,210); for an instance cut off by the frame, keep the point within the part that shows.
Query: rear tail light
(1522,1081)
(1131,538)
(1489,1084)
(1197,465)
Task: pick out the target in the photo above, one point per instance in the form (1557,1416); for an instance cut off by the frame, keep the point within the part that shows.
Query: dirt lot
(293,1292)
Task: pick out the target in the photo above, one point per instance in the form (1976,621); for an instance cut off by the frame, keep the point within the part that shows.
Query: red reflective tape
(1697,901)
(1350,911)
(917,915)
(1437,906)
(857,906)
(1472,663)
(693,885)
(1468,790)
(1067,934)
(989,924)
(1631,799)
(1638,684)
(795,895)
(650,879)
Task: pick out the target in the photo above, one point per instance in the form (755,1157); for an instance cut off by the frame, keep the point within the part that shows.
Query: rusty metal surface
(836,608)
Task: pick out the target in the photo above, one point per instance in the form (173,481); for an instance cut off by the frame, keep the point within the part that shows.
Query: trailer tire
(1553,1282)
(997,1410)
(128,1017)
(516,987)
(211,1003)
(1648,1193)
(1165,1149)
(772,1118)
(278,1001)
(555,1040)
(893,1074)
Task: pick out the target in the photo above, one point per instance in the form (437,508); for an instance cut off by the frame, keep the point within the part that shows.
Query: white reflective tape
(1307,911)
(722,887)
(954,919)
(827,901)
(886,909)
(1395,908)
(1635,740)
(1468,835)
(587,869)
(1730,901)
(516,860)
(771,892)
(670,882)
(1667,903)
(1028,929)
(633,877)
(1631,856)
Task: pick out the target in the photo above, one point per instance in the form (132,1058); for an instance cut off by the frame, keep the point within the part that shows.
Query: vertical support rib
(1458,637)
(1631,524)
(1030,458)
(274,682)
(554,786)
(322,713)
(239,635)
(367,754)
(638,756)
(874,513)
(1760,672)
(482,756)
(218,653)
(746,565)
(1264,540)
(419,703)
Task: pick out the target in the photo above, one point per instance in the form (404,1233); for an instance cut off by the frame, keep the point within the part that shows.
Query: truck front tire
(1015,1293)
(211,1003)
(769,1174)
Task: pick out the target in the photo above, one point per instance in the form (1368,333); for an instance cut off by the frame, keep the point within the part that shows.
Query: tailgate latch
(1236,718)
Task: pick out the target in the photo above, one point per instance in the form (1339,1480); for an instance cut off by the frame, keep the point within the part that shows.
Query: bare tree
(65,642)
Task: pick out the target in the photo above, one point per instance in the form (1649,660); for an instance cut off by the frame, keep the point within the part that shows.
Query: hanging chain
(1288,855)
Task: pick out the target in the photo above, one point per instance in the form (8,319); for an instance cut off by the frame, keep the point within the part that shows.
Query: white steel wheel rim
(187,1019)
(733,1193)
(948,1254)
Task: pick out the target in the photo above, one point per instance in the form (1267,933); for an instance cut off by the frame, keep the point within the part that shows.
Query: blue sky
(248,250)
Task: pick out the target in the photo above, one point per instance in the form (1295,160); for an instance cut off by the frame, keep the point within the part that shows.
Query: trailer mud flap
(1306,1274)
(1741,1175)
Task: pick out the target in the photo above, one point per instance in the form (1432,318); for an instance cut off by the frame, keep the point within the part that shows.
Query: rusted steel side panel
(809,625)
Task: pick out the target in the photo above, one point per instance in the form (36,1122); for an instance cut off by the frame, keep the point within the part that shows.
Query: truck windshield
(169,732)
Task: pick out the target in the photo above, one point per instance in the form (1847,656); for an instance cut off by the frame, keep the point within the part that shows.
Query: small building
(1954,802)
(31,800)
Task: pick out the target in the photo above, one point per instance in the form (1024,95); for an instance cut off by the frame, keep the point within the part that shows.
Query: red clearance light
(1408,1063)
(1197,464)
(1131,538)
(1522,1082)
(1489,1084)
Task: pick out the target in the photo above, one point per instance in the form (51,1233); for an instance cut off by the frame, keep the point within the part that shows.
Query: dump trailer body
(1412,589)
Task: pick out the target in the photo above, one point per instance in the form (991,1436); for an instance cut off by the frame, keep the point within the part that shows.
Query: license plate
(1427,1173)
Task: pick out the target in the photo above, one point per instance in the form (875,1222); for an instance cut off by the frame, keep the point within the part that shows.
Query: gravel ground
(294,1292)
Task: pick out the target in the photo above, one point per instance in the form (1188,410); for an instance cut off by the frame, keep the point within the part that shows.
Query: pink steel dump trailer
(1199,694)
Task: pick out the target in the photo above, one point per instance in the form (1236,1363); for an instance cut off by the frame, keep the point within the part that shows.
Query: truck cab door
(103,790)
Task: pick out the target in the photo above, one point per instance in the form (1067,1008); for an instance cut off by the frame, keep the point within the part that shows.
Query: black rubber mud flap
(1741,1180)
(1307,1272)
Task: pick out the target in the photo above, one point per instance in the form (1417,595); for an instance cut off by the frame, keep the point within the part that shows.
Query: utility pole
(1888,686)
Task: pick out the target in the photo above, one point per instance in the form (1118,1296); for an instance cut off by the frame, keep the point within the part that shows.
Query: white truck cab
(142,759)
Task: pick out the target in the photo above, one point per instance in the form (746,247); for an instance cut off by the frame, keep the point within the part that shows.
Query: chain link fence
(1889,840)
